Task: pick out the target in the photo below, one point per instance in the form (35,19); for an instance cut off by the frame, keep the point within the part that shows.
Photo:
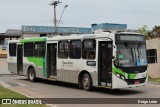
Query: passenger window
(39,49)
(89,49)
(63,49)
(75,49)
(28,49)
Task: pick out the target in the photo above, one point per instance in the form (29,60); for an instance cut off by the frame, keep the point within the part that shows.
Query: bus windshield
(131,55)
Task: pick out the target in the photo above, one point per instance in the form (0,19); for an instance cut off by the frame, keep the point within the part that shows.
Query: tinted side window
(28,49)
(152,56)
(89,49)
(75,49)
(39,49)
(63,49)
(12,49)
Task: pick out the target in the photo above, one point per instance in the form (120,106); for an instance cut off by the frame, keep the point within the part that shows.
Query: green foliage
(153,79)
(144,31)
(155,33)
(6,93)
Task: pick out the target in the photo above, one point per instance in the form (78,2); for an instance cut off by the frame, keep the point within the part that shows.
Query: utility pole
(54,4)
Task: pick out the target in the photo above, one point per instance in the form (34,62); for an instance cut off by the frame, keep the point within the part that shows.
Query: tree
(144,31)
(155,33)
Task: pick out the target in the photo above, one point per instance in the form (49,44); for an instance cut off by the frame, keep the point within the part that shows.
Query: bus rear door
(52,60)
(19,59)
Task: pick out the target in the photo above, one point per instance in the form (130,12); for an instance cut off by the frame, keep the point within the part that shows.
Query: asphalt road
(52,89)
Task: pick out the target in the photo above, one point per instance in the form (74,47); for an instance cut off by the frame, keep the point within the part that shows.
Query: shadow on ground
(116,92)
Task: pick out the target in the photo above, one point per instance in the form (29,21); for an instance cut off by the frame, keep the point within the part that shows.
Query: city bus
(110,60)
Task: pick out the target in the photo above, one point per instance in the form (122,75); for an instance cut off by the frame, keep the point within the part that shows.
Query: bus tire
(31,75)
(87,82)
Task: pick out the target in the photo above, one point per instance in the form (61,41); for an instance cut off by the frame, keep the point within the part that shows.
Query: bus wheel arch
(31,74)
(81,77)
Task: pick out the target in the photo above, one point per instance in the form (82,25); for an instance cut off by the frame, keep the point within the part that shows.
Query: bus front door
(105,64)
(52,60)
(19,59)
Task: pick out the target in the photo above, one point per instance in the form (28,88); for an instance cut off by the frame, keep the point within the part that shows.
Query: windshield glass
(131,55)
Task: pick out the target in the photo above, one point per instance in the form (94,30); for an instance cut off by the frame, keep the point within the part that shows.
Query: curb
(156,83)
(6,74)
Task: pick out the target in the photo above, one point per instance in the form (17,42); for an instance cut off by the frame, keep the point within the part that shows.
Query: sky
(79,13)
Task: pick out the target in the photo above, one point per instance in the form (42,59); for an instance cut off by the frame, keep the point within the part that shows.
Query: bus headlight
(120,76)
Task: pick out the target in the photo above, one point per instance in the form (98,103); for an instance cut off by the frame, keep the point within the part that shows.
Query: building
(153,56)
(46,31)
(108,27)
(4,37)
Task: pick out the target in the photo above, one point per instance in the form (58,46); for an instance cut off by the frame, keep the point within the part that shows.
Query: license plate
(136,82)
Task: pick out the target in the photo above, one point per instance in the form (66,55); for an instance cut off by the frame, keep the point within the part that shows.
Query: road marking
(21,84)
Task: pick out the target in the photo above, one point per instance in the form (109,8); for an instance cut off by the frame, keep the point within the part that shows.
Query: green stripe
(39,62)
(33,40)
(119,71)
(116,70)
(131,76)
(36,61)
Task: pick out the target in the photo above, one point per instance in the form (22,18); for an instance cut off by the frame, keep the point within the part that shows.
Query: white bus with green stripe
(96,60)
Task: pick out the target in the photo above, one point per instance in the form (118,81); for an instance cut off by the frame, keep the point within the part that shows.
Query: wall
(31,35)
(3,53)
(154,69)
(4,66)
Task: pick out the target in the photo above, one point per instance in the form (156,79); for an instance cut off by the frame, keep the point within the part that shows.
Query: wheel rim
(85,82)
(31,75)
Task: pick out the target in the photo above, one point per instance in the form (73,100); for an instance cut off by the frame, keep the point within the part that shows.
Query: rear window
(12,49)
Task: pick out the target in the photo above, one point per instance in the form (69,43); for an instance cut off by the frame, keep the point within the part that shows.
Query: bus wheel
(87,82)
(31,75)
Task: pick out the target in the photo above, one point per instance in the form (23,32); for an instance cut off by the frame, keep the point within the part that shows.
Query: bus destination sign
(130,38)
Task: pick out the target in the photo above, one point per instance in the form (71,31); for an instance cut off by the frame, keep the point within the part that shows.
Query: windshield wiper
(131,53)
(139,50)
(126,45)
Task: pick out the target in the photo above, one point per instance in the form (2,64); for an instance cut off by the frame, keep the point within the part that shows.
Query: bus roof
(129,33)
(65,37)
(81,36)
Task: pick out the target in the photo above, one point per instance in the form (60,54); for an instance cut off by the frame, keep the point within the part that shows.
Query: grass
(6,93)
(153,79)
